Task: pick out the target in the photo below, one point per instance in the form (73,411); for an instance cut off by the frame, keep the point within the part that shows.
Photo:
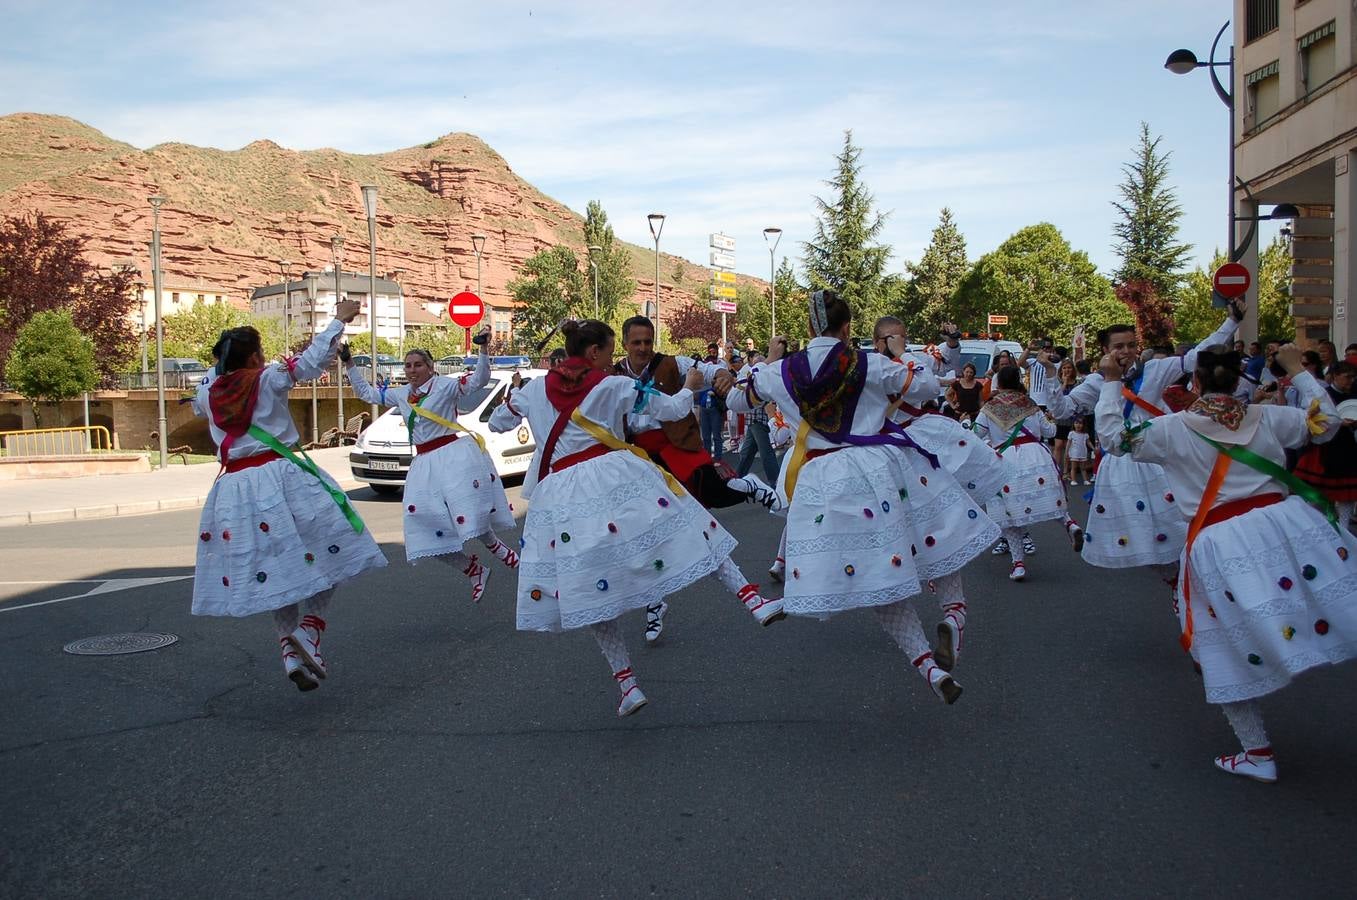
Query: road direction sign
(727,277)
(722,242)
(724,306)
(722,260)
(728,292)
(998,320)
(466,309)
(1231,280)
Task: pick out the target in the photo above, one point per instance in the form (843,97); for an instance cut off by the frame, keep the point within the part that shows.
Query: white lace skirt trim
(1133,519)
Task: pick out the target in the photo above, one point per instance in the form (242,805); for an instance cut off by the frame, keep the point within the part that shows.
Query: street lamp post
(370,206)
(656,221)
(315,382)
(772,236)
(157,281)
(283,265)
(337,248)
(593,264)
(145,361)
(478,245)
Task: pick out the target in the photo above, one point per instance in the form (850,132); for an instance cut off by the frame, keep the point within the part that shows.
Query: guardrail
(55,441)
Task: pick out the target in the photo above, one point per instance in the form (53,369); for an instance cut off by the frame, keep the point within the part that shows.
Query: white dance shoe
(778,570)
(296,671)
(1258,766)
(655,623)
(306,641)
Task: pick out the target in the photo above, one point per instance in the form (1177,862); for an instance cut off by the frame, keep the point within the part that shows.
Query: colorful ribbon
(306,465)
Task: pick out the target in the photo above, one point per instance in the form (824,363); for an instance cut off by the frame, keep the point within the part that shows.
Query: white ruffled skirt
(849,532)
(606,536)
(1032,490)
(949,528)
(973,463)
(270,536)
(1274,593)
(1133,519)
(452,495)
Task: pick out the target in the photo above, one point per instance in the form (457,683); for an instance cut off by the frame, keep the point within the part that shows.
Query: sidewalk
(39,500)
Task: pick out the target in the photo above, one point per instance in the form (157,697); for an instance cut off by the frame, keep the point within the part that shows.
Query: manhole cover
(116,644)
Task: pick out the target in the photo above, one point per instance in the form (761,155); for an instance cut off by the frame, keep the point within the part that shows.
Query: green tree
(362,343)
(42,267)
(51,360)
(550,287)
(1147,229)
(926,298)
(615,282)
(844,255)
(439,341)
(192,332)
(1196,318)
(1042,284)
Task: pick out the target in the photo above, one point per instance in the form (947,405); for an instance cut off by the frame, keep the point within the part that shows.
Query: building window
(1260,18)
(1318,57)
(1265,95)
(501,323)
(174,297)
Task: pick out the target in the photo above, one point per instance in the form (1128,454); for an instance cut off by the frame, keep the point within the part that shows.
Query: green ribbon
(1017,430)
(1262,464)
(306,465)
(1130,431)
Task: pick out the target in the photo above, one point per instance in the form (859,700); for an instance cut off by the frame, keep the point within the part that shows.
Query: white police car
(383,453)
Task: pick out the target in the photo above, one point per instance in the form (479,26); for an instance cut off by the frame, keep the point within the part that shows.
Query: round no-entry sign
(1231,280)
(466,309)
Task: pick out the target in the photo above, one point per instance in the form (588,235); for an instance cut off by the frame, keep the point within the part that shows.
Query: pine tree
(844,255)
(1147,232)
(615,282)
(934,279)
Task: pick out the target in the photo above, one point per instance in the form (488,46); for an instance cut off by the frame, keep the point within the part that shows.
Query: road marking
(106,586)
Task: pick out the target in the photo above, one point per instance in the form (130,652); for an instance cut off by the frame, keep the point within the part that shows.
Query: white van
(981,353)
(382,456)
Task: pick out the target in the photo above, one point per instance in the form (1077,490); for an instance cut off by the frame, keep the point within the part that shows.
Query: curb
(118,510)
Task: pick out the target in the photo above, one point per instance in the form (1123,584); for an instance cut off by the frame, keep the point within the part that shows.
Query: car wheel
(386,489)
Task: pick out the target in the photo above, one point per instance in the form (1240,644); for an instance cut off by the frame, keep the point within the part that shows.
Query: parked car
(450,365)
(389,368)
(382,456)
(981,353)
(182,373)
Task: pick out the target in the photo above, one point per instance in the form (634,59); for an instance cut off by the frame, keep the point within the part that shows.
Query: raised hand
(347,310)
(694,380)
(722,381)
(1289,358)
(1110,368)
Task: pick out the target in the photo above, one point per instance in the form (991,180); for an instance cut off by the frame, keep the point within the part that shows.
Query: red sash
(681,463)
(574,459)
(429,446)
(249,462)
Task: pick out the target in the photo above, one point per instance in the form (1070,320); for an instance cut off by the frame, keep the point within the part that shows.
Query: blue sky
(724,116)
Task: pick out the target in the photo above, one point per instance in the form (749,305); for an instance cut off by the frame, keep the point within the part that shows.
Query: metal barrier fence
(55,441)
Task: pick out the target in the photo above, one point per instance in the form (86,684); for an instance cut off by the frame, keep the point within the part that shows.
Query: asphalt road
(448,755)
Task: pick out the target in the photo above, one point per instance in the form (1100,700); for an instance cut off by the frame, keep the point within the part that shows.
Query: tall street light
(157,281)
(772,236)
(336,249)
(315,382)
(145,362)
(283,266)
(593,264)
(656,221)
(478,245)
(370,206)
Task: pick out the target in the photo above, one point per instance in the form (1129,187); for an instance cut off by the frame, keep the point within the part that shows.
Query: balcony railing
(1260,17)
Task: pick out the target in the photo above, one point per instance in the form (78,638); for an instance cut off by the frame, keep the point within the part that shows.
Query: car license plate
(384,465)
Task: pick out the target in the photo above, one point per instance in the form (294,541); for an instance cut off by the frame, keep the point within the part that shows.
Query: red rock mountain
(229,215)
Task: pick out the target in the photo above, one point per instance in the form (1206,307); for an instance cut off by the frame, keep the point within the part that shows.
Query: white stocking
(951,599)
(614,647)
(285,619)
(901,622)
(1014,538)
(1246,718)
(730,576)
(317,604)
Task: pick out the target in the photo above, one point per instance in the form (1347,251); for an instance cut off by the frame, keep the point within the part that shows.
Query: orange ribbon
(1213,485)
(1147,406)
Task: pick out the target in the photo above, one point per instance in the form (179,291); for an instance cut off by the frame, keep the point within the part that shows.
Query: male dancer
(677,447)
(1133,517)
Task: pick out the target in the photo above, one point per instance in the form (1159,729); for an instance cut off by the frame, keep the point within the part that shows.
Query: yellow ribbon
(798,459)
(612,442)
(1315,420)
(446,423)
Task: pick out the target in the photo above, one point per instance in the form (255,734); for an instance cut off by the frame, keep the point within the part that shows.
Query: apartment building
(1295,90)
(295,302)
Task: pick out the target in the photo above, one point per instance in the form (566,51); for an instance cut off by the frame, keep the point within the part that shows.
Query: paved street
(448,755)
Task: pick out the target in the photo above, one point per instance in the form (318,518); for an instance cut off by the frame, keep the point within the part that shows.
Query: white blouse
(884,376)
(440,393)
(608,404)
(270,411)
(1187,459)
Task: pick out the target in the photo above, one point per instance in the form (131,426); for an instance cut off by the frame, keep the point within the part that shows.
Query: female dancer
(1268,586)
(1332,467)
(608,531)
(1033,490)
(849,521)
(452,493)
(950,527)
(276,533)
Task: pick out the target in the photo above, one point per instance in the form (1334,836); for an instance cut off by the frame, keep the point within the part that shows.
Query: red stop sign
(466,309)
(1231,280)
